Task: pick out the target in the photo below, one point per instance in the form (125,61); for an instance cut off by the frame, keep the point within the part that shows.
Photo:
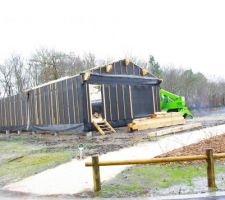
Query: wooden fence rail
(209,157)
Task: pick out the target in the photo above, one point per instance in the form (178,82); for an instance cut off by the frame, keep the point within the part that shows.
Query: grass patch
(37,157)
(149,178)
(32,164)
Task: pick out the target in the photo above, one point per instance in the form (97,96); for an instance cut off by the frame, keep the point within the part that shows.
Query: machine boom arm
(170,102)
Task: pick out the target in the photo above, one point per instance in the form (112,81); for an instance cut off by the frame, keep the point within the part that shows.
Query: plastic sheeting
(76,128)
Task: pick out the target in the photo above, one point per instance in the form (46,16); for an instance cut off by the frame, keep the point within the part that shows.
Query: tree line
(18,74)
(198,90)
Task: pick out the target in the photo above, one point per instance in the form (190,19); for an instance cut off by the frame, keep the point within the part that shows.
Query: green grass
(144,179)
(32,163)
(36,158)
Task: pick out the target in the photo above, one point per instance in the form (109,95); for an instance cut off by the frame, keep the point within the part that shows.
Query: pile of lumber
(157,120)
(175,129)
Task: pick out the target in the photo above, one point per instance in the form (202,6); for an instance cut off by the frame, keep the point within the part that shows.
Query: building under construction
(124,91)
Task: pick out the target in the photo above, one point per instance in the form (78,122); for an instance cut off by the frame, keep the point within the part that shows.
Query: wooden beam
(149,161)
(108,68)
(96,174)
(144,72)
(127,61)
(155,123)
(109,126)
(86,76)
(210,169)
(155,160)
(160,115)
(174,130)
(98,128)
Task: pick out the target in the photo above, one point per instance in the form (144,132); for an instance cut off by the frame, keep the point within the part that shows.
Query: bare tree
(46,65)
(19,73)
(73,64)
(6,73)
(89,60)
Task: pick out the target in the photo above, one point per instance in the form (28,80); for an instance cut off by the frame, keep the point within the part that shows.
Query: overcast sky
(188,33)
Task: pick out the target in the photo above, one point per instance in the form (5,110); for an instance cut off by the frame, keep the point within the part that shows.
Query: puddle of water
(197,189)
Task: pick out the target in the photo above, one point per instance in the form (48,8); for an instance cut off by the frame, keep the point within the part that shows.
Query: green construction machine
(170,102)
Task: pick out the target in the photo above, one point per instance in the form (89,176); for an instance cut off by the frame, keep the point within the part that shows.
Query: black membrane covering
(65,105)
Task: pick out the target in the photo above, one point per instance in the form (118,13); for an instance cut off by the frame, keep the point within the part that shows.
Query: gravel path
(74,177)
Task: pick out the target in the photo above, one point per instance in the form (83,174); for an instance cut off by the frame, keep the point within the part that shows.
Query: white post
(81,148)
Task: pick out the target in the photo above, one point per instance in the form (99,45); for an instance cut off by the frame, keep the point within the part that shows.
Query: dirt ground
(217,143)
(98,144)
(65,145)
(94,143)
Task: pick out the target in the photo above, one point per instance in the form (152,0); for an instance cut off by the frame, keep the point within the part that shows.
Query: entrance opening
(95,92)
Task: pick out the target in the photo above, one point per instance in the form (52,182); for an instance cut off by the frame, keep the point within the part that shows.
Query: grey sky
(184,33)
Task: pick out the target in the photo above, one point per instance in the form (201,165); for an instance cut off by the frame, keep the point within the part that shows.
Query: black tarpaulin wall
(126,93)
(59,103)
(126,96)
(64,105)
(13,112)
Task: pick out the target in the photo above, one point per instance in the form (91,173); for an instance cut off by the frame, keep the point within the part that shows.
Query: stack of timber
(157,120)
(176,129)
(103,127)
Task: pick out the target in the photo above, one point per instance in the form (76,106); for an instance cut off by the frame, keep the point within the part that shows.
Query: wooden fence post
(96,174)
(210,169)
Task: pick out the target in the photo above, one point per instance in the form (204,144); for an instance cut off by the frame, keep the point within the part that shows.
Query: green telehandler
(170,102)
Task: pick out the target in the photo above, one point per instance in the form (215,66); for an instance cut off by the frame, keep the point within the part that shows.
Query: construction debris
(157,120)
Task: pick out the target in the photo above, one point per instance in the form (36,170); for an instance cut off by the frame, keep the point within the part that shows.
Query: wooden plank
(78,101)
(124,103)
(160,115)
(73,100)
(156,160)
(109,126)
(40,106)
(31,111)
(58,120)
(98,128)
(131,103)
(110,103)
(103,100)
(168,113)
(155,120)
(36,107)
(174,130)
(153,98)
(45,107)
(117,103)
(150,161)
(50,104)
(10,111)
(155,123)
(67,98)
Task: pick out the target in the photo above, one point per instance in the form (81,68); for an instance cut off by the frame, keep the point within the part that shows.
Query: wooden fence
(209,157)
